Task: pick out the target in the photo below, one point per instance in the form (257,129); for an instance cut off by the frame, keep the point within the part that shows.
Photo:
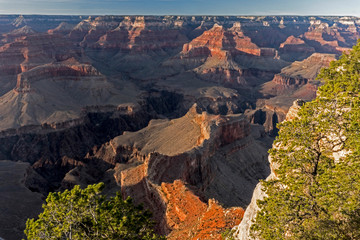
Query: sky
(182,7)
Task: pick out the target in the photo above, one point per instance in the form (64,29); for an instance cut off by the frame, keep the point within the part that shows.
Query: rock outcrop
(54,81)
(191,218)
(218,42)
(300,73)
(217,52)
(326,38)
(242,231)
(197,157)
(294,109)
(293,44)
(295,48)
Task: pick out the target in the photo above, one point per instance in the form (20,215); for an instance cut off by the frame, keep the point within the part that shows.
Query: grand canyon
(177,112)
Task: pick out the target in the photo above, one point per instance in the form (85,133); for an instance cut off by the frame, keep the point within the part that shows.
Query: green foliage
(316,160)
(86,214)
(228,234)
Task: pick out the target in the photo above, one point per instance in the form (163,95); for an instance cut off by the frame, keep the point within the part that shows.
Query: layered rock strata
(197,157)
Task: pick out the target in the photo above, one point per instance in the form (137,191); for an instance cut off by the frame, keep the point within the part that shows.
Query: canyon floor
(177,112)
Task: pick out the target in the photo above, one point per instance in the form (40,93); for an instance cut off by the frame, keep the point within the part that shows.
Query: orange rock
(217,41)
(293,44)
(191,218)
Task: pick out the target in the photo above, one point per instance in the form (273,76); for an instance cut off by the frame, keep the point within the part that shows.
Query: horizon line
(185,15)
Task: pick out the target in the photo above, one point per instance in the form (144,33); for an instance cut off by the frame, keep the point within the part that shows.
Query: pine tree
(86,214)
(316,161)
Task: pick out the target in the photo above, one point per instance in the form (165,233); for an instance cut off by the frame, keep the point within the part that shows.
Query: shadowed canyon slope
(176,111)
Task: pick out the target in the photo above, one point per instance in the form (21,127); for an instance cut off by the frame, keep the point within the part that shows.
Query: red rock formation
(10,58)
(293,44)
(292,41)
(301,73)
(155,40)
(317,35)
(217,41)
(67,70)
(191,218)
(30,51)
(217,220)
(41,49)
(218,50)
(328,39)
(167,180)
(295,81)
(42,56)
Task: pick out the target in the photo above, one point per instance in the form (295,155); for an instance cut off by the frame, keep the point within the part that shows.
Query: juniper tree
(315,193)
(86,214)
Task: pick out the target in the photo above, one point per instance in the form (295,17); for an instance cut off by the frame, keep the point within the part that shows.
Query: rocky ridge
(169,161)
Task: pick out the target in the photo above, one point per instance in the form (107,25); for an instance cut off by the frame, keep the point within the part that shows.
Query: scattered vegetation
(228,234)
(86,214)
(316,160)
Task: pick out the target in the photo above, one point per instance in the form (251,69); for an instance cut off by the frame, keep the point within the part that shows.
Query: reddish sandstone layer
(66,70)
(293,44)
(328,39)
(31,51)
(217,41)
(223,55)
(41,56)
(191,218)
(317,35)
(34,50)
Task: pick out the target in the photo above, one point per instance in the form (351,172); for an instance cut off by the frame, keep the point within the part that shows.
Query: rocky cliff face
(335,38)
(300,73)
(169,161)
(294,44)
(217,41)
(242,231)
(217,50)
